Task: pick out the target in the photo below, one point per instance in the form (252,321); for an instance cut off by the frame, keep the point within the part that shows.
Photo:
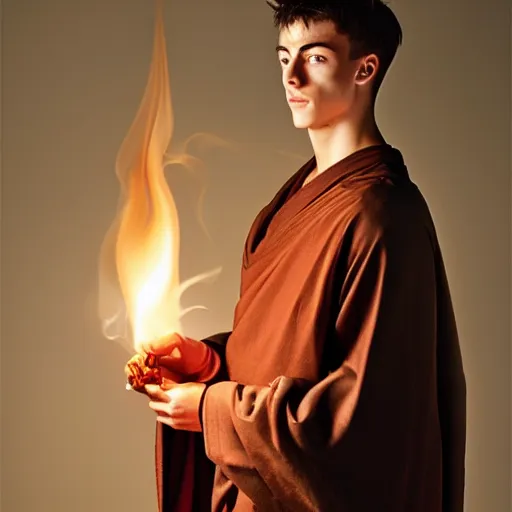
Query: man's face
(317,69)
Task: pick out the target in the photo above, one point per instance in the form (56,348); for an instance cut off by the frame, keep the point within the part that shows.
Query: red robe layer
(344,387)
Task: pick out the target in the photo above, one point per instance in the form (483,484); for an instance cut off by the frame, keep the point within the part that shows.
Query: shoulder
(390,211)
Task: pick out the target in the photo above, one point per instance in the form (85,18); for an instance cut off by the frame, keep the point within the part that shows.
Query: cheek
(334,86)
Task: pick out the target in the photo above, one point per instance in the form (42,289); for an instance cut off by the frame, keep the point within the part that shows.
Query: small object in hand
(141,370)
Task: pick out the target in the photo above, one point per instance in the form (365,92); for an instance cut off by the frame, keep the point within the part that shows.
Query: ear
(367,69)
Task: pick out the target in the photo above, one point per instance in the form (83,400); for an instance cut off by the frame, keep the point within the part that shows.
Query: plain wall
(73,74)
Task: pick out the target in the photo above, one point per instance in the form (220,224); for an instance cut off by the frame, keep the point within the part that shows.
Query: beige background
(72,77)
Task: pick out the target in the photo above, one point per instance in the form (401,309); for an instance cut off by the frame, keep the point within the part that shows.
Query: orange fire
(143,244)
(147,248)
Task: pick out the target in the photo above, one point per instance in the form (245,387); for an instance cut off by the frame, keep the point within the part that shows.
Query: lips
(296,102)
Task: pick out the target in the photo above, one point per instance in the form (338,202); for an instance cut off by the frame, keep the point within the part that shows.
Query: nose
(293,75)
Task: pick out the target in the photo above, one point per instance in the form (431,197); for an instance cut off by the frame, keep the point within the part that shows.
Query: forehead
(297,34)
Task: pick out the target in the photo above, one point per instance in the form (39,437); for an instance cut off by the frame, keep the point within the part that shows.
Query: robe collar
(373,161)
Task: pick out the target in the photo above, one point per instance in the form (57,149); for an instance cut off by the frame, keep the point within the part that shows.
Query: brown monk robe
(344,387)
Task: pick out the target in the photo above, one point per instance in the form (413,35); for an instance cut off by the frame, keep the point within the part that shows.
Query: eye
(284,60)
(314,59)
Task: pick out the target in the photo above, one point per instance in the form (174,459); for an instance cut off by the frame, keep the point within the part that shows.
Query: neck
(335,142)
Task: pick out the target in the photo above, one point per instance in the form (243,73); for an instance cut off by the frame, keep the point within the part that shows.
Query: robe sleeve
(184,474)
(218,343)
(294,441)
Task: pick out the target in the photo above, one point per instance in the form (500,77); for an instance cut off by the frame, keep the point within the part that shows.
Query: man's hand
(184,359)
(177,406)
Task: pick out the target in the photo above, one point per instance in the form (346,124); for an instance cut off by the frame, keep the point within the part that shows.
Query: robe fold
(184,474)
(344,388)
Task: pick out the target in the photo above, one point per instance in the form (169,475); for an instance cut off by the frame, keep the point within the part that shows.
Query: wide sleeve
(452,399)
(217,342)
(184,474)
(308,444)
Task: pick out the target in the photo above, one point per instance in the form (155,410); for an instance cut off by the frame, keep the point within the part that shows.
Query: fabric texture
(342,386)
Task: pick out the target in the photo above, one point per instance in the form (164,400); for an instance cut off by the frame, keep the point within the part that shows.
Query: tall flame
(147,249)
(145,238)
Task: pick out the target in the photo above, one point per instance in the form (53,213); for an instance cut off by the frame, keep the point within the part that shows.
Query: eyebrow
(306,47)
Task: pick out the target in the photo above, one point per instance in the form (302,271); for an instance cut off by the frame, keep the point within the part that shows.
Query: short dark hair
(370,25)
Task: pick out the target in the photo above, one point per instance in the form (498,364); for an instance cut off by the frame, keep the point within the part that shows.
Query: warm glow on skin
(316,66)
(338,106)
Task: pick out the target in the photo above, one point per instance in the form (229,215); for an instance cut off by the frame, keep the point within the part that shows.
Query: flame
(148,239)
(139,278)
(143,244)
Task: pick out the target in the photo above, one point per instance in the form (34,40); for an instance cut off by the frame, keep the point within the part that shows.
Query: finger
(168,384)
(160,407)
(168,409)
(167,421)
(178,424)
(171,376)
(155,392)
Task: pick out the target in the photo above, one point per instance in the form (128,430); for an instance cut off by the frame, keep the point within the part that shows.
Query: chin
(302,122)
(301,126)
(311,120)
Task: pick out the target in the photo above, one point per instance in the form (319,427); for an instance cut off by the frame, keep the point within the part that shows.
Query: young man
(341,386)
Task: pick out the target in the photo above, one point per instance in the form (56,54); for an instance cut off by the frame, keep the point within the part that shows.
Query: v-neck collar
(294,197)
